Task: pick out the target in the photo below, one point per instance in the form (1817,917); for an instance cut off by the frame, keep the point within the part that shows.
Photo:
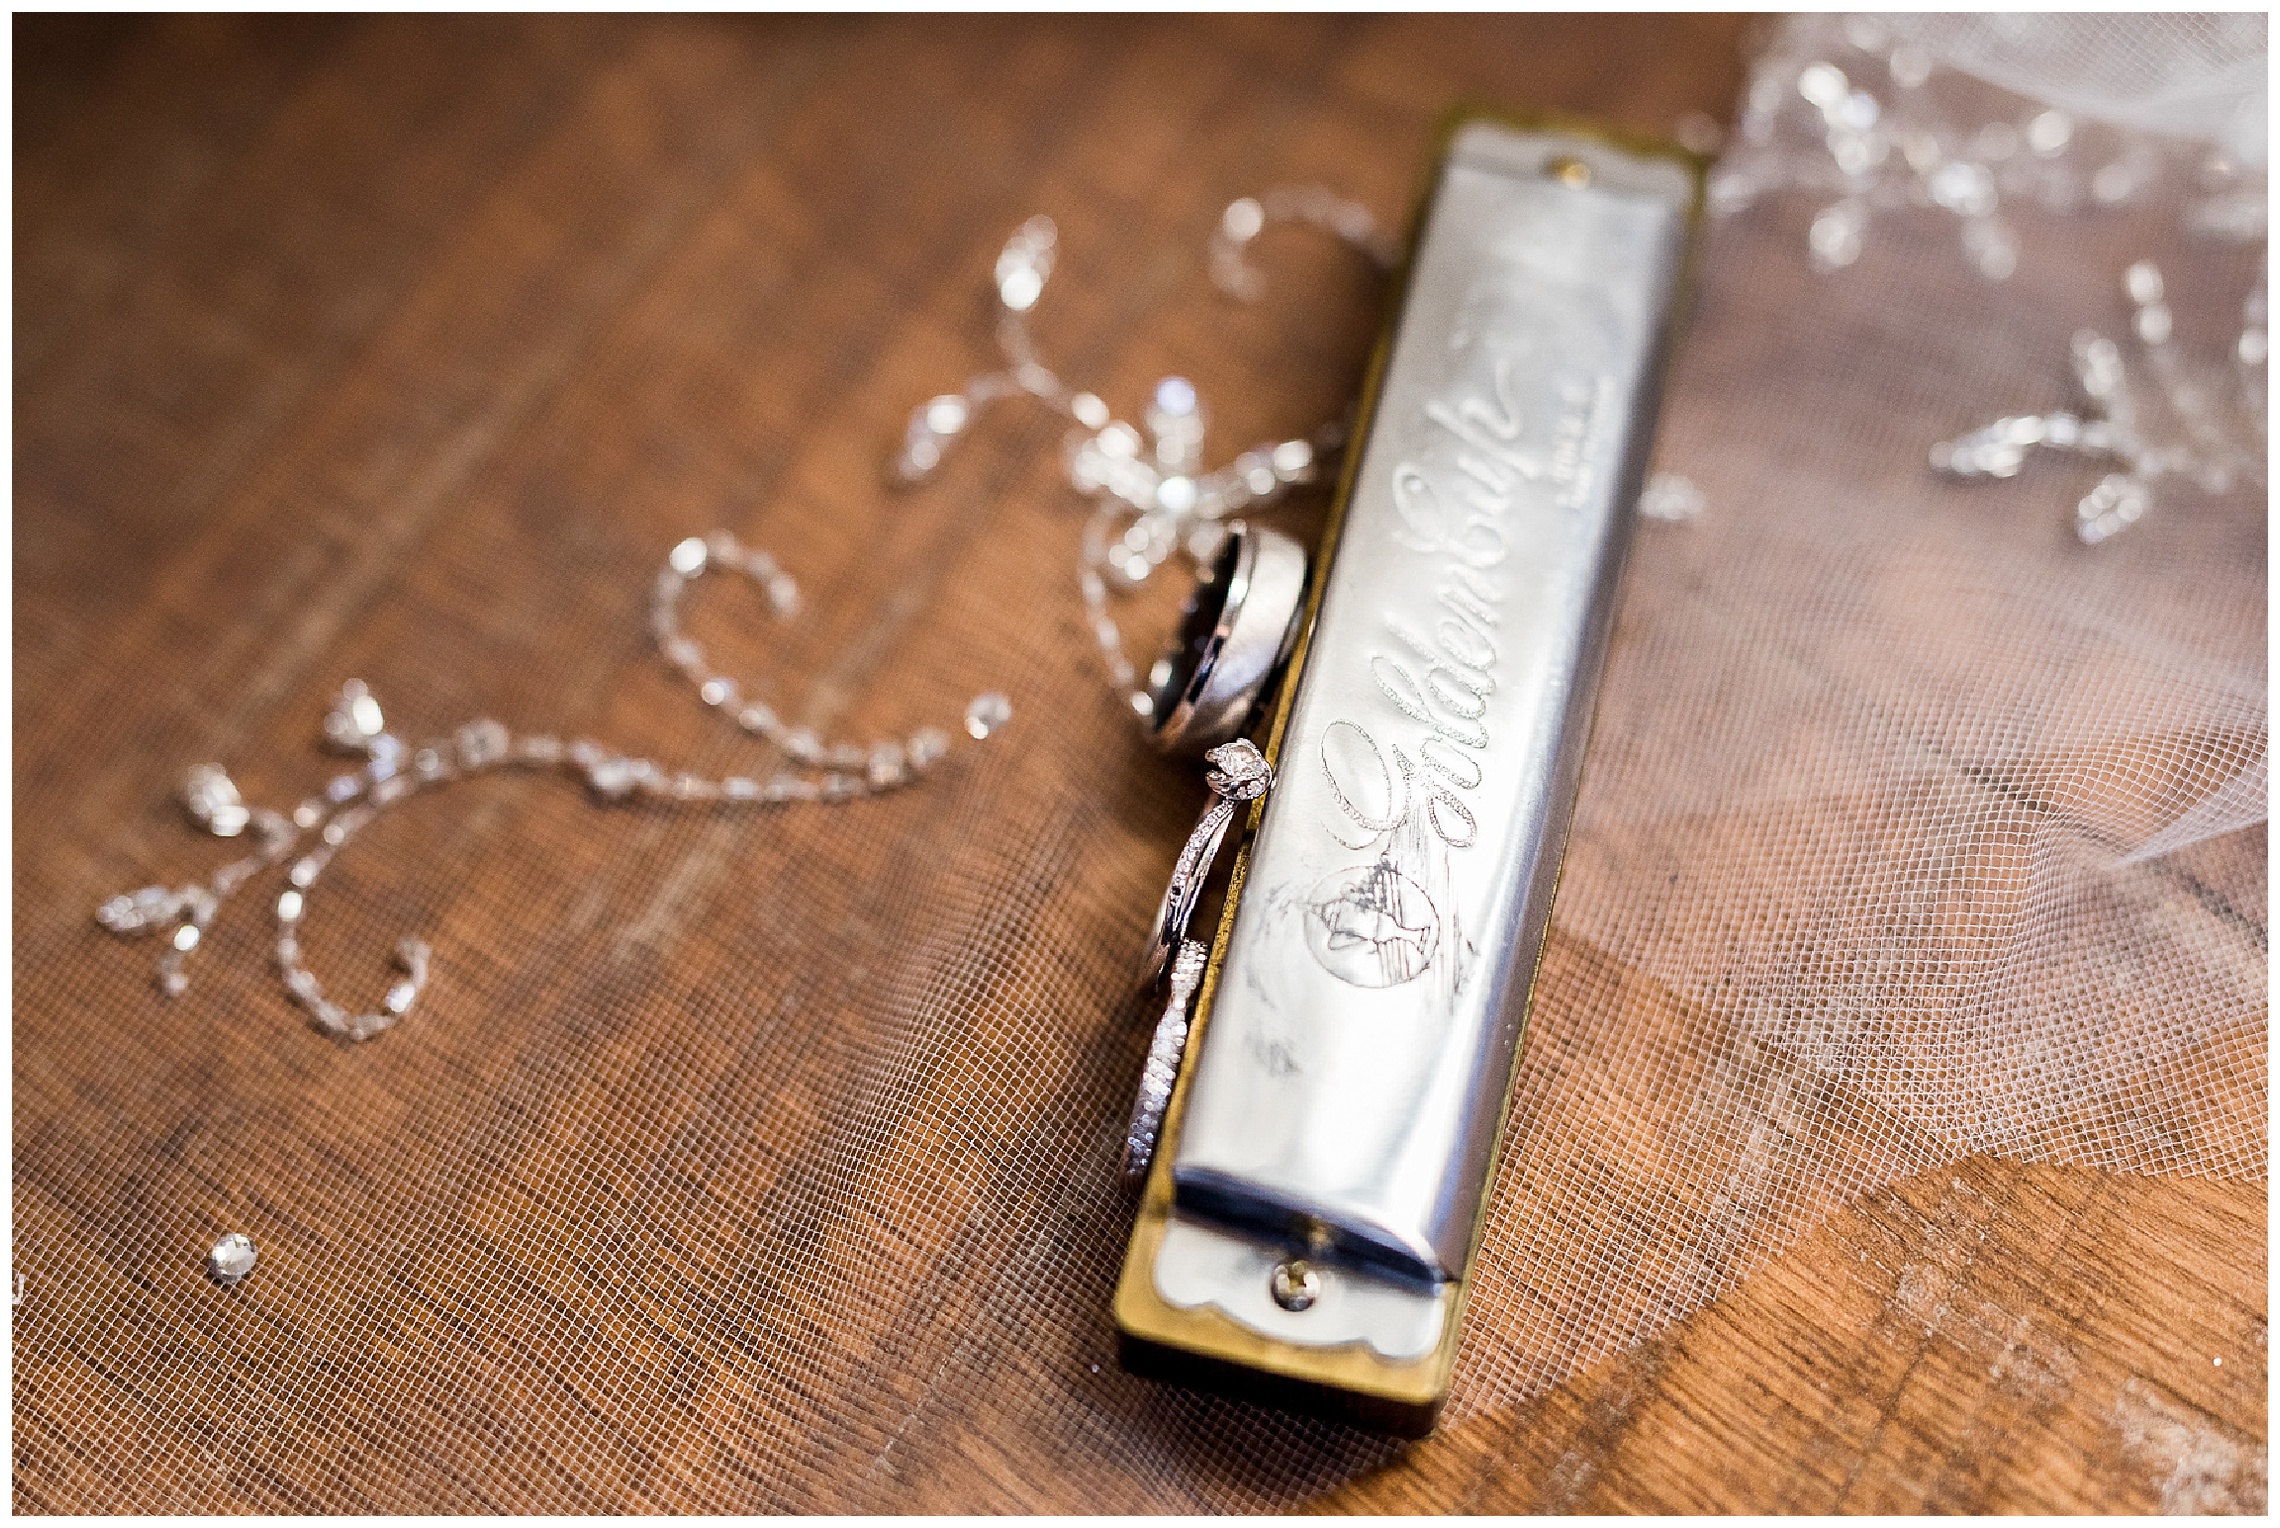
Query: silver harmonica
(1310,1217)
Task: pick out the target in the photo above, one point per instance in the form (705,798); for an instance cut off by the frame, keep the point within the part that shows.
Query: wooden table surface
(296,303)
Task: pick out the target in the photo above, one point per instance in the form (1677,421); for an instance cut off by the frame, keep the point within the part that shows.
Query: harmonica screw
(1568,171)
(1295,1285)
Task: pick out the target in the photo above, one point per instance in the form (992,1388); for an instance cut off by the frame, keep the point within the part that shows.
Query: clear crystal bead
(945,416)
(139,910)
(797,788)
(387,753)
(213,800)
(928,744)
(987,713)
(481,743)
(611,777)
(354,719)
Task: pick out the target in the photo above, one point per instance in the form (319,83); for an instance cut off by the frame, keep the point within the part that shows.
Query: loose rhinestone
(343,788)
(988,713)
(303,986)
(399,999)
(289,906)
(783,594)
(717,691)
(756,718)
(186,938)
(173,983)
(308,814)
(688,557)
(231,1259)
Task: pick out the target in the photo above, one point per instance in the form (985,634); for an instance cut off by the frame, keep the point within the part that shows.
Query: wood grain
(400,347)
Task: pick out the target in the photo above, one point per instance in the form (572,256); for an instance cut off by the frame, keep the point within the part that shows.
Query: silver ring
(1240,774)
(1163,1065)
(1235,632)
